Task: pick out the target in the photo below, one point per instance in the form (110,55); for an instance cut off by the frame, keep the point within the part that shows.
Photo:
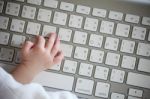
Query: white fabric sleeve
(11,89)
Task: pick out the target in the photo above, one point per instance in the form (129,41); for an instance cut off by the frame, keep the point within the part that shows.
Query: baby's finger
(40,41)
(51,40)
(27,46)
(58,58)
(55,48)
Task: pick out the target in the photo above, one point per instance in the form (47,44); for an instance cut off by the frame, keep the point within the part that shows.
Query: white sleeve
(11,89)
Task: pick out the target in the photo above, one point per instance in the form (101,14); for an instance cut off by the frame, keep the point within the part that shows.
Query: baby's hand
(37,57)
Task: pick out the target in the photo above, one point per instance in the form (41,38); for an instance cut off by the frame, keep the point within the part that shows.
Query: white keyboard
(104,58)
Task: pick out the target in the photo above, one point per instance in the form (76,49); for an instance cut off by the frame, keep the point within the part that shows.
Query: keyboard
(107,53)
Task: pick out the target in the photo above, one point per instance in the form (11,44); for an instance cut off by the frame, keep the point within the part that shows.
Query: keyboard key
(143,49)
(67,49)
(51,3)
(101,72)
(53,80)
(17,40)
(122,30)
(12,9)
(48,29)
(96,56)
(66,6)
(139,80)
(102,89)
(3,22)
(83,9)
(1,6)
(70,66)
(96,40)
(75,21)
(139,33)
(146,21)
(4,38)
(56,67)
(65,34)
(149,36)
(85,69)
(107,27)
(144,65)
(17,25)
(60,18)
(33,28)
(28,12)
(20,0)
(111,43)
(135,92)
(117,96)
(112,59)
(6,54)
(36,2)
(131,97)
(117,76)
(81,53)
(80,37)
(91,24)
(115,15)
(99,12)
(18,57)
(128,62)
(84,86)
(132,18)
(44,15)
(127,46)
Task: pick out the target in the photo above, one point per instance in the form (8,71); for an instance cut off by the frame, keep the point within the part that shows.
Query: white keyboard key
(6,54)
(28,12)
(20,0)
(122,30)
(65,34)
(85,69)
(67,49)
(135,92)
(117,76)
(3,22)
(81,53)
(91,24)
(117,96)
(84,86)
(60,18)
(111,43)
(83,9)
(102,89)
(51,3)
(33,28)
(12,9)
(115,15)
(48,29)
(139,80)
(56,67)
(96,56)
(139,33)
(75,21)
(112,59)
(18,57)
(44,15)
(131,97)
(66,6)
(17,40)
(127,46)
(36,2)
(149,36)
(143,49)
(4,38)
(70,66)
(99,12)
(132,18)
(53,80)
(80,37)
(128,62)
(146,21)
(1,6)
(101,72)
(107,27)
(144,65)
(17,25)
(96,40)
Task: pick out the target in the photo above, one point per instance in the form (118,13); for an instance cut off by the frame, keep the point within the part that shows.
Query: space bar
(139,80)
(55,80)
